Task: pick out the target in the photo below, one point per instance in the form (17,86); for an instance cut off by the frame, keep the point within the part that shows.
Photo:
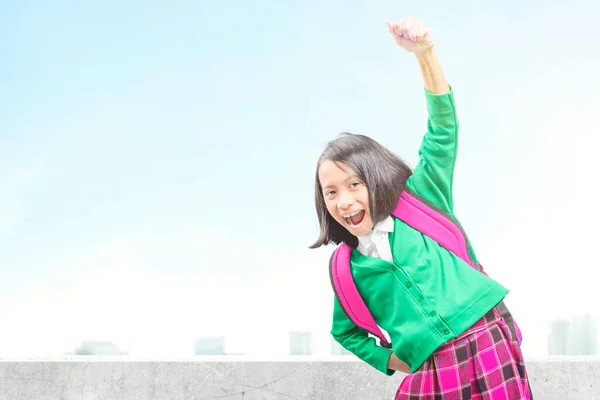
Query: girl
(440,313)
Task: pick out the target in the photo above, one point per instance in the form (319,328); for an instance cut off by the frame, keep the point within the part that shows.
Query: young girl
(440,314)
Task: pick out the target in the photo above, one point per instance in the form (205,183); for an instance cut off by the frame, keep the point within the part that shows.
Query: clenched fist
(411,34)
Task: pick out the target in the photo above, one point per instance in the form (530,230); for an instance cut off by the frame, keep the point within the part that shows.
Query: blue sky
(157,161)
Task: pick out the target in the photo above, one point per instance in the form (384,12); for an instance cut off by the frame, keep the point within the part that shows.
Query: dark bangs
(383,173)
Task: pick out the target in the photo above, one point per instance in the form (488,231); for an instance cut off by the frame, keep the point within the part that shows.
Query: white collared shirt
(376,243)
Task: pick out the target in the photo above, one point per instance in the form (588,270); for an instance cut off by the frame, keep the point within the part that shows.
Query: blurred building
(576,337)
(583,336)
(210,346)
(558,337)
(300,343)
(98,348)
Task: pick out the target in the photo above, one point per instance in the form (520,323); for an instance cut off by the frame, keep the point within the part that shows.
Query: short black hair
(383,173)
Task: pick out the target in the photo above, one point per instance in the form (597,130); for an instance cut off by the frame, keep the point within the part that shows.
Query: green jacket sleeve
(432,178)
(358,342)
(433,175)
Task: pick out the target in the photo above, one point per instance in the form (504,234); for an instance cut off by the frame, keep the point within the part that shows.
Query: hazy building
(98,348)
(558,337)
(583,336)
(576,337)
(210,346)
(300,343)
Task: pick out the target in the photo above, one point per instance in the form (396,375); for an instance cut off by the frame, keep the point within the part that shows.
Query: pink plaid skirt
(485,362)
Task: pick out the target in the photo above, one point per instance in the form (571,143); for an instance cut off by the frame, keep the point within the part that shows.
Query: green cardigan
(428,295)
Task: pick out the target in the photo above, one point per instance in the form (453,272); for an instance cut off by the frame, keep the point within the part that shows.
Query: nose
(345,200)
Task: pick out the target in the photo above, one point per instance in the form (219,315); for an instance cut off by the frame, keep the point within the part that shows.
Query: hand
(396,364)
(411,34)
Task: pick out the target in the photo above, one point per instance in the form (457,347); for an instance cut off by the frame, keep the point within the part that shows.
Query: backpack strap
(432,222)
(348,296)
(510,322)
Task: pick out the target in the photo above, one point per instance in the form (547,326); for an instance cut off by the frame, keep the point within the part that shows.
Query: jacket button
(421,298)
(446,332)
(408,284)
(433,314)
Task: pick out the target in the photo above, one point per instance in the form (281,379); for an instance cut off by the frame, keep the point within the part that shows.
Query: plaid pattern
(485,362)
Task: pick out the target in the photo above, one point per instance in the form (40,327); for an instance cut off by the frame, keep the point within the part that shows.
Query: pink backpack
(428,220)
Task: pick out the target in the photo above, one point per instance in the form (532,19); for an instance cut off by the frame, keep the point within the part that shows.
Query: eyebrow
(345,180)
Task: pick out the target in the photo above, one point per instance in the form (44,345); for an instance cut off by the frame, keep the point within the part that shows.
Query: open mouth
(355,219)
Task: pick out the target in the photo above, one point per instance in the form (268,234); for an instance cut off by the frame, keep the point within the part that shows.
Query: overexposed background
(157,162)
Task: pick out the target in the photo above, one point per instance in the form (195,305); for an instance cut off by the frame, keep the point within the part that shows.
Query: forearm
(431,70)
(358,342)
(365,348)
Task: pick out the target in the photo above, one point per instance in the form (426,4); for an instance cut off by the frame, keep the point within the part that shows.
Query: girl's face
(346,197)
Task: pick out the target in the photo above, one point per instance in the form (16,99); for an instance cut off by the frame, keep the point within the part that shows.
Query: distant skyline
(578,335)
(157,163)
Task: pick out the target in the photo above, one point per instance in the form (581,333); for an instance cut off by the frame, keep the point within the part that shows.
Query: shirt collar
(387,226)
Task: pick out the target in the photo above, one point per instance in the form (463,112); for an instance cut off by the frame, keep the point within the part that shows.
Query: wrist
(394,363)
(427,56)
(431,71)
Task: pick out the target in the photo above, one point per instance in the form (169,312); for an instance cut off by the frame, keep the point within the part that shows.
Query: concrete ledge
(116,378)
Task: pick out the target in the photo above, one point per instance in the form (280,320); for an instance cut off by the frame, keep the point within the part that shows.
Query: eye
(354,184)
(329,193)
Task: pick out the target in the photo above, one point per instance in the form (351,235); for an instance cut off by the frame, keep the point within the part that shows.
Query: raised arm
(433,176)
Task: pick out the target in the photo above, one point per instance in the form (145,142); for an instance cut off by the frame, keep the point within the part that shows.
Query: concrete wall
(87,378)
